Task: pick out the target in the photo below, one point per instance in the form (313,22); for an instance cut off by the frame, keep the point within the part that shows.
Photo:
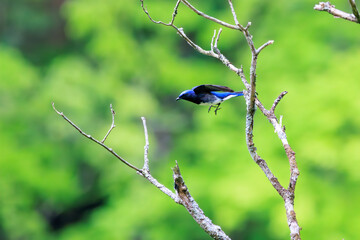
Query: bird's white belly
(215,101)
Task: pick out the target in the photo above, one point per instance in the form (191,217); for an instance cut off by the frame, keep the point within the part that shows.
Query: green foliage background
(86,54)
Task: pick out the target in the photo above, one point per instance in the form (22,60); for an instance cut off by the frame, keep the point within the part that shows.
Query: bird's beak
(177,99)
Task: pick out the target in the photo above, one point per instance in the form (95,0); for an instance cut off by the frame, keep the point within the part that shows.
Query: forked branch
(328,7)
(251,100)
(95,140)
(181,195)
(112,123)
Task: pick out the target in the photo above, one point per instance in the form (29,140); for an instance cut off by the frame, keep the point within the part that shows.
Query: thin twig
(182,34)
(146,148)
(234,15)
(225,24)
(212,42)
(160,22)
(179,30)
(95,140)
(277,100)
(217,39)
(354,9)
(248,25)
(264,46)
(112,123)
(175,12)
(327,7)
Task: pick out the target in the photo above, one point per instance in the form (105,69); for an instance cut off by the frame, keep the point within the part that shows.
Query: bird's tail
(239,93)
(226,95)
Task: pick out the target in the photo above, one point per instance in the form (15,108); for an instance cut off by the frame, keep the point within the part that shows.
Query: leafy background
(85,54)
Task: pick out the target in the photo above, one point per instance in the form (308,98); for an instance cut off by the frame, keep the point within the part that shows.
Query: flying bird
(208,94)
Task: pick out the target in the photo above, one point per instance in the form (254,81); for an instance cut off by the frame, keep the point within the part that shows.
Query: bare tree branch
(212,42)
(160,22)
(146,148)
(217,38)
(96,141)
(251,101)
(225,24)
(277,101)
(181,196)
(234,15)
(354,9)
(327,7)
(175,11)
(194,209)
(112,124)
(264,46)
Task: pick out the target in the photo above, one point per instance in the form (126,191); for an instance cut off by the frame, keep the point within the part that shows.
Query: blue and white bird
(207,94)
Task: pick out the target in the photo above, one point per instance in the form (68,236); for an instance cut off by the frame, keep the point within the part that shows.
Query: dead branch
(146,148)
(251,100)
(112,123)
(95,140)
(193,208)
(328,7)
(181,195)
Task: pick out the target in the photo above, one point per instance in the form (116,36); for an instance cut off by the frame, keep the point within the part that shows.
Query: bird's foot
(217,108)
(210,108)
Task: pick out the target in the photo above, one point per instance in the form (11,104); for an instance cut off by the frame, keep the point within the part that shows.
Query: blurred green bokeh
(85,54)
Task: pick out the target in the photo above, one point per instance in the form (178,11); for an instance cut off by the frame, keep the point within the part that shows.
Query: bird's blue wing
(224,95)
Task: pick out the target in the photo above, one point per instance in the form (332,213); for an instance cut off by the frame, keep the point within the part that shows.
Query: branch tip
(225,24)
(248,25)
(212,41)
(354,10)
(88,136)
(176,168)
(264,46)
(217,38)
(234,14)
(112,123)
(328,7)
(53,105)
(277,101)
(146,147)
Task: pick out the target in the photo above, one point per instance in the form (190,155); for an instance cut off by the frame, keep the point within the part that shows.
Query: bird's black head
(189,95)
(186,95)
